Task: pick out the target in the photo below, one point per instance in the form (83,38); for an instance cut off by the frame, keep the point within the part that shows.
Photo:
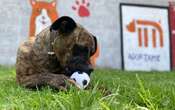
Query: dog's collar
(52,37)
(51,52)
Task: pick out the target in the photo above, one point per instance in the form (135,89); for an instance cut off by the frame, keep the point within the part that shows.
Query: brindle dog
(55,54)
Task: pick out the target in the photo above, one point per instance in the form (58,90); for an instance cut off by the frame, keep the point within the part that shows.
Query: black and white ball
(81,79)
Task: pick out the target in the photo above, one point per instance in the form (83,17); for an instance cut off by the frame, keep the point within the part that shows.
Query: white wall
(103,22)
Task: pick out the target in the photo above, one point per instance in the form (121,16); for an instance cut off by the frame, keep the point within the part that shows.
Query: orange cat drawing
(43,14)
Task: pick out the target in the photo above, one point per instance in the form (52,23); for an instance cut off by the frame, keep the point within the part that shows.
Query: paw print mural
(82,8)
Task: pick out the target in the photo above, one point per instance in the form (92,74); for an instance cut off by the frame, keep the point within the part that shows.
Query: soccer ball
(81,79)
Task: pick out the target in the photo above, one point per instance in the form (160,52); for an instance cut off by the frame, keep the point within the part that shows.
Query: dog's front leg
(57,81)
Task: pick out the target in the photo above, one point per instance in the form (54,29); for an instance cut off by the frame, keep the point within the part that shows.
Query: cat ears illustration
(51,2)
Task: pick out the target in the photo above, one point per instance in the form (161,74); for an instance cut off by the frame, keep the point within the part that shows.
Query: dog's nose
(91,70)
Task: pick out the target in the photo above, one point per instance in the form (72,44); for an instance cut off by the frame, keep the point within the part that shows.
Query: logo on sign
(141,27)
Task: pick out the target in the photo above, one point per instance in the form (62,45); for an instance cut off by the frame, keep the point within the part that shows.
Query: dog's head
(73,44)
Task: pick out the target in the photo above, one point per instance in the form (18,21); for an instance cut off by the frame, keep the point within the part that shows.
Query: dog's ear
(63,25)
(94,48)
(79,50)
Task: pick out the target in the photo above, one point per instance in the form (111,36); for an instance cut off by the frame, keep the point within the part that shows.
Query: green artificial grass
(109,90)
